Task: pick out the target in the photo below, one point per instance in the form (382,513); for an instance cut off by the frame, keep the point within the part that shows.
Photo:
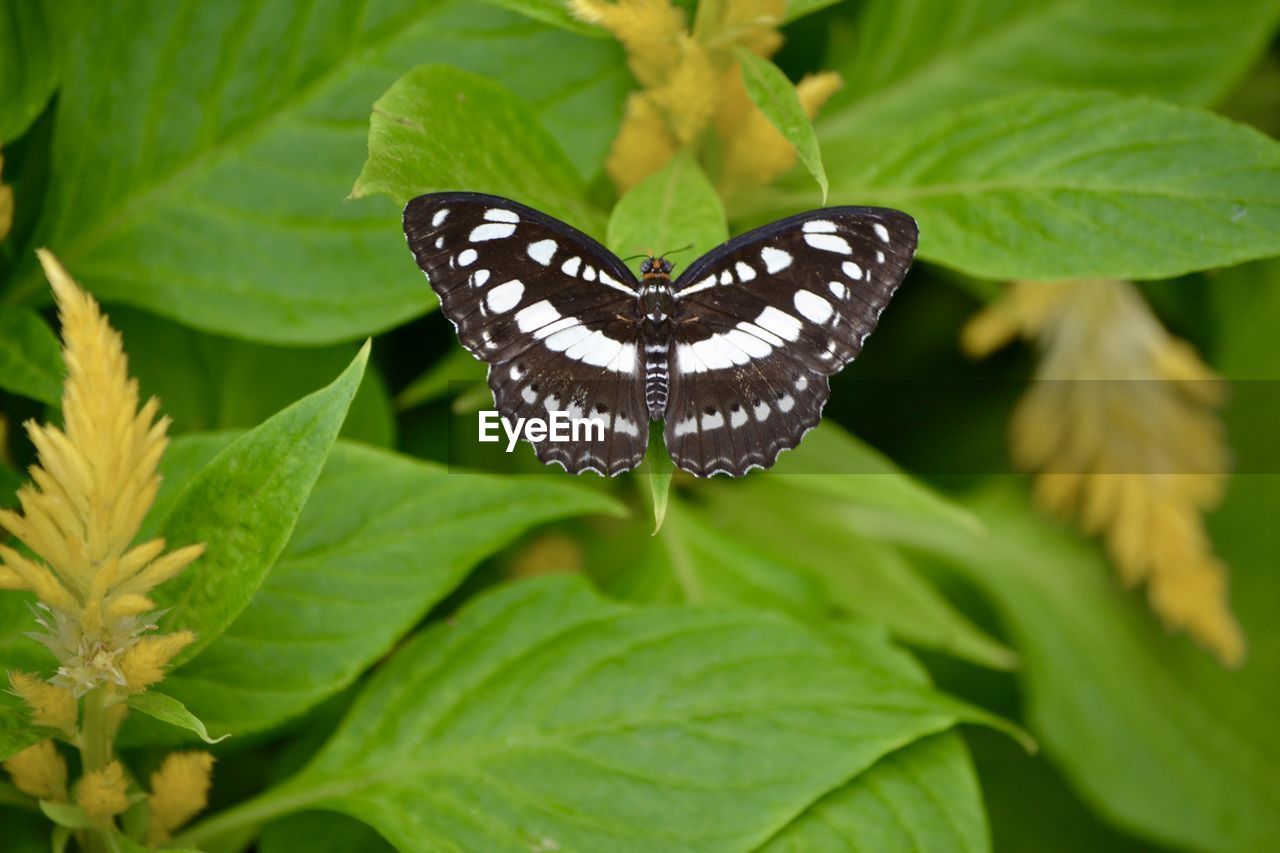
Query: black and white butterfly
(734,354)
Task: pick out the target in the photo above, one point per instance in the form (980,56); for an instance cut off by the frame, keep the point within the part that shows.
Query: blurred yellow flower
(39,771)
(179,789)
(1121,428)
(692,83)
(94,485)
(103,793)
(51,706)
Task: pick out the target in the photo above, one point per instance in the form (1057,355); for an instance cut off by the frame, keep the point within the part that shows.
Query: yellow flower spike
(649,29)
(51,706)
(179,790)
(752,24)
(103,793)
(143,663)
(643,145)
(1135,461)
(94,484)
(39,771)
(691,92)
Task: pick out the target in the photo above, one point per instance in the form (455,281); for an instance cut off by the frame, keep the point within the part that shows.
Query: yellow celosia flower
(51,706)
(1122,430)
(143,663)
(691,82)
(39,771)
(649,29)
(179,789)
(94,485)
(103,793)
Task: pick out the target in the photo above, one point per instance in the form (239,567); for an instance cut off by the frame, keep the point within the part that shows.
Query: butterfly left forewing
(763,321)
(551,311)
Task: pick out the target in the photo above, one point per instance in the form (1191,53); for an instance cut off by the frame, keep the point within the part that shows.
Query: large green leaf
(543,715)
(441,128)
(28,64)
(204,151)
(243,506)
(918,57)
(673,208)
(381,540)
(16,731)
(1054,184)
(555,12)
(207,382)
(30,362)
(1155,734)
(777,99)
(923,797)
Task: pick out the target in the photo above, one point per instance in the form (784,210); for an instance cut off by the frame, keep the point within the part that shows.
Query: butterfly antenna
(681,249)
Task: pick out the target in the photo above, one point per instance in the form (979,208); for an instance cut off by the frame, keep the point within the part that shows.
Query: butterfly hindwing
(762,321)
(551,311)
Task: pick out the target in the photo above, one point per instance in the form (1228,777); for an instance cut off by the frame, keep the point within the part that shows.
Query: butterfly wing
(764,320)
(551,311)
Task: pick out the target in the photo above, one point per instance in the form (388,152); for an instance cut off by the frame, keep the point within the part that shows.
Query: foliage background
(191,165)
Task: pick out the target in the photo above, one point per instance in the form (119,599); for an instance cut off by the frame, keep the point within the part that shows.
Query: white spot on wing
(686,426)
(555,326)
(441,216)
(838,290)
(589,273)
(762,412)
(467,257)
(819,226)
(881,231)
(852,270)
(813,306)
(744,271)
(738,418)
(567,337)
(749,344)
(497,214)
(763,334)
(829,243)
(802,382)
(505,296)
(879,257)
(536,316)
(528,395)
(780,323)
(491,231)
(786,404)
(516,373)
(479,278)
(597,349)
(621,424)
(726,277)
(709,281)
(542,251)
(570,267)
(775,260)
(712,421)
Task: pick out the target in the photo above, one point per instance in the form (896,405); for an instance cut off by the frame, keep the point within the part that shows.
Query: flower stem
(95,753)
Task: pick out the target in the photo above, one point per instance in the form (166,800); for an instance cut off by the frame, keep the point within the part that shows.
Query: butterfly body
(734,354)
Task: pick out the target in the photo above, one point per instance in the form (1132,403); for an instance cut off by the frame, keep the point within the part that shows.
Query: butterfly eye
(666,265)
(646,266)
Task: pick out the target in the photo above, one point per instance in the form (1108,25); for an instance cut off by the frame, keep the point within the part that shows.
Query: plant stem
(95,753)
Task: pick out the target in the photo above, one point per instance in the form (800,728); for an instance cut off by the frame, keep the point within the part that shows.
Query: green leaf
(1151,731)
(28,65)
(800,8)
(30,361)
(16,731)
(544,715)
(382,539)
(209,185)
(660,469)
(554,12)
(65,814)
(922,797)
(919,58)
(208,382)
(171,711)
(440,128)
(669,210)
(1014,187)
(776,97)
(454,371)
(320,832)
(243,506)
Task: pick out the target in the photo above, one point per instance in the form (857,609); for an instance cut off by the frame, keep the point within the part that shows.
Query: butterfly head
(655,267)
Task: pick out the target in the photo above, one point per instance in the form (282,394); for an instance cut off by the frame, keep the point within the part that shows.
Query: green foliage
(775,663)
(776,97)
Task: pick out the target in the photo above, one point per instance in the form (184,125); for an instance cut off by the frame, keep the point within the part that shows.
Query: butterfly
(734,354)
